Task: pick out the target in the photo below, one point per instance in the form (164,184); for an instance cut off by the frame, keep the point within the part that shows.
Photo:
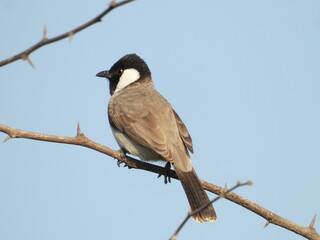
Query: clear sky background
(243,75)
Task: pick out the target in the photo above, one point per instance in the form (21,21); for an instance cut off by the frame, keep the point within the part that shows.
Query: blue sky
(243,75)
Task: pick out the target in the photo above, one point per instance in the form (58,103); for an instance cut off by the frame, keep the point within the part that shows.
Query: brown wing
(137,122)
(183,131)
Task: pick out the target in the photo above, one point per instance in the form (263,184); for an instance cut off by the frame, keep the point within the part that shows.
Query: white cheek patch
(128,76)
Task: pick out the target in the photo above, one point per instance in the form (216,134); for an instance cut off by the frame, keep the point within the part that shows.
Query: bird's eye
(119,70)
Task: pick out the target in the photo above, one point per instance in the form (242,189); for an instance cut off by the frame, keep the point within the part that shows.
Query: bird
(145,124)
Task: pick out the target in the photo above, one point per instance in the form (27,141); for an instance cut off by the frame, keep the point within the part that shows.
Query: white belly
(134,148)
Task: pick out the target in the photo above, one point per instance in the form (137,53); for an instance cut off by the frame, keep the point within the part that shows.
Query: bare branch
(44,41)
(81,140)
(266,214)
(190,214)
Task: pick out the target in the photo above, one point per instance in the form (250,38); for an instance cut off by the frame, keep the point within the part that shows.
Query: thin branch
(44,41)
(190,214)
(271,217)
(81,140)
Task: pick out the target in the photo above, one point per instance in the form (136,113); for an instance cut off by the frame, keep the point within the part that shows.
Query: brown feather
(183,131)
(196,196)
(131,112)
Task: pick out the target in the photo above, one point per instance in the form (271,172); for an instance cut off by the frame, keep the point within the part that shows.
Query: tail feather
(196,196)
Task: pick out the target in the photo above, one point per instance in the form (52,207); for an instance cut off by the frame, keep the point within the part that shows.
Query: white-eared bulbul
(145,125)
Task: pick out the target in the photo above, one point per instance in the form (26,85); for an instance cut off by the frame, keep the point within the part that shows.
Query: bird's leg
(167,168)
(123,156)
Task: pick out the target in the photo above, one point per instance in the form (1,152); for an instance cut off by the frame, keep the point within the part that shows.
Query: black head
(125,71)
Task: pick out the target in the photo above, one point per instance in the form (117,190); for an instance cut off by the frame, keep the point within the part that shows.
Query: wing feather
(183,131)
(141,126)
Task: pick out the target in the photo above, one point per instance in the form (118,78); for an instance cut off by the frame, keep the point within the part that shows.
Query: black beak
(104,74)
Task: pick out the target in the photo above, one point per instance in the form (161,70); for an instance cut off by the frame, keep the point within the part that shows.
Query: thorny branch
(190,214)
(81,140)
(45,40)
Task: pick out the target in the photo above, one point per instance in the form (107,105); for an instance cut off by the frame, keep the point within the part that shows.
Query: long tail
(196,196)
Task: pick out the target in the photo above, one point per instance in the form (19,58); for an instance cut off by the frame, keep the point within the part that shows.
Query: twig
(81,140)
(45,40)
(190,214)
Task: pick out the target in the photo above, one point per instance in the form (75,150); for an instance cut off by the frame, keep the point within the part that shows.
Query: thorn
(26,57)
(173,237)
(312,222)
(112,4)
(249,183)
(30,62)
(45,32)
(6,139)
(78,130)
(266,225)
(70,34)
(225,186)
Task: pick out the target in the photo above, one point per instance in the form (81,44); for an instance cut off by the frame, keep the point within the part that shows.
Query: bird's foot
(122,159)
(167,168)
